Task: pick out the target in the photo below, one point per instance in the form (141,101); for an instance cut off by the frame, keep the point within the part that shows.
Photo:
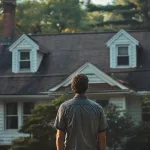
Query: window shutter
(33,60)
(15,60)
(2,116)
(113,56)
(133,56)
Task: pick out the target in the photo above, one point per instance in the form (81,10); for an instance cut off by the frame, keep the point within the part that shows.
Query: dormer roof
(122,35)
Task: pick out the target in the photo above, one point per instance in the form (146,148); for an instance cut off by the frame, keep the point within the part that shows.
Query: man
(80,122)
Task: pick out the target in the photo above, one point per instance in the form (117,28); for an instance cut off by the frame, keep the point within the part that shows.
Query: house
(36,68)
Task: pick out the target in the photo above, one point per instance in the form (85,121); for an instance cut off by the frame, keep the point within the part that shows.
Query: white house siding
(134,108)
(120,102)
(7,136)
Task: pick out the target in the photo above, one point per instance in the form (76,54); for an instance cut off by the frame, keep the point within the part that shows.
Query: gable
(94,75)
(24,42)
(122,37)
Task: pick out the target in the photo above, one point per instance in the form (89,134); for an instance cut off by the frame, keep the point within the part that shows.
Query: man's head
(79,83)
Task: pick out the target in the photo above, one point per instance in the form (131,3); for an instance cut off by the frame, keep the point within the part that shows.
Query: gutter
(141,93)
(94,93)
(24,97)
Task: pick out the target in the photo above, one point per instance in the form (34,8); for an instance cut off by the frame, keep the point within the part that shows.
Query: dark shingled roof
(68,52)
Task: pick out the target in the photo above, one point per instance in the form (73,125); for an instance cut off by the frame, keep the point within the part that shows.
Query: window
(27,108)
(24,60)
(15,112)
(123,56)
(11,115)
(146,112)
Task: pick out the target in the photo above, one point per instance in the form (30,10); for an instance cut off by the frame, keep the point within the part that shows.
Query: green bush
(140,138)
(119,125)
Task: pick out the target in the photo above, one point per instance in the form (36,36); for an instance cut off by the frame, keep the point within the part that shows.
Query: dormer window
(27,55)
(123,56)
(24,61)
(123,50)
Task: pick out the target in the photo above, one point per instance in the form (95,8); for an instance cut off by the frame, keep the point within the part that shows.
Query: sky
(101,2)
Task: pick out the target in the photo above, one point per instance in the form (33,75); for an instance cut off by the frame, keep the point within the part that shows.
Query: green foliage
(110,8)
(66,15)
(140,138)
(146,99)
(29,16)
(1,17)
(54,16)
(119,124)
(135,14)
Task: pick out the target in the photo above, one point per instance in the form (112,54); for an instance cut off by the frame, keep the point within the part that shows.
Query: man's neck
(81,95)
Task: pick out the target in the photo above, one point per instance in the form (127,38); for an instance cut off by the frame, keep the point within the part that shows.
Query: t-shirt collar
(80,96)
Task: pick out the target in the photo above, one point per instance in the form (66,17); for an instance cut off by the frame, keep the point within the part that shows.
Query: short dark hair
(79,83)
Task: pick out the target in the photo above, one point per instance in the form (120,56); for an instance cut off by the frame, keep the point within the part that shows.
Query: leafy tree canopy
(134,13)
(51,16)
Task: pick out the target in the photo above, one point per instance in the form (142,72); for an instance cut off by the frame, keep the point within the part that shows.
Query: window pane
(27,107)
(12,122)
(146,112)
(122,51)
(25,65)
(146,117)
(24,55)
(146,109)
(124,60)
(11,108)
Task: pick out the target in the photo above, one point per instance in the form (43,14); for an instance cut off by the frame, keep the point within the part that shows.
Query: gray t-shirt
(81,119)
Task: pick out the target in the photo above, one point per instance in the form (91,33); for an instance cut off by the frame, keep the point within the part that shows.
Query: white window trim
(122,66)
(19,60)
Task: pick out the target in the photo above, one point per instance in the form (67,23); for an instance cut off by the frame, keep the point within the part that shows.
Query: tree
(140,138)
(1,17)
(119,123)
(133,14)
(66,15)
(51,16)
(29,16)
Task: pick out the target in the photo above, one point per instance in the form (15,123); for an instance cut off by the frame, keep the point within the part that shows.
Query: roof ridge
(76,33)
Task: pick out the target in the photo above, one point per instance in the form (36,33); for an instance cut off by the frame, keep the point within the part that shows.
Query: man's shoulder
(95,104)
(66,103)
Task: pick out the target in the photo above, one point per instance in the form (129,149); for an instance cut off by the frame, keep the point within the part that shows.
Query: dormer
(26,55)
(123,50)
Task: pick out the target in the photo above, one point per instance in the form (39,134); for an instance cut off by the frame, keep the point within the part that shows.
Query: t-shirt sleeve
(60,121)
(102,122)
